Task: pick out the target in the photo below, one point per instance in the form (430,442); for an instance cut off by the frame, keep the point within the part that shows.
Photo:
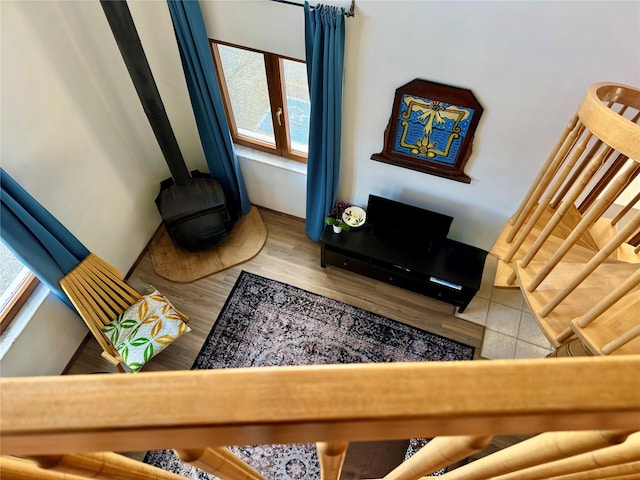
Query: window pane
(246,79)
(298,104)
(12,275)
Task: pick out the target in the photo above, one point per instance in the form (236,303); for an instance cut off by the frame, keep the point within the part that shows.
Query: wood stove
(195,217)
(193,205)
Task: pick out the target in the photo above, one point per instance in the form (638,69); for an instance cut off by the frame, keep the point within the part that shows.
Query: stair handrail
(191,409)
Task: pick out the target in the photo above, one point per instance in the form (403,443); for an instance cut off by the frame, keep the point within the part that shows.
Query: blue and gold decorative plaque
(431,129)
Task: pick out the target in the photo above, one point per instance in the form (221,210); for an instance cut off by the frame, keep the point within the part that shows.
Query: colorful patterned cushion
(145,329)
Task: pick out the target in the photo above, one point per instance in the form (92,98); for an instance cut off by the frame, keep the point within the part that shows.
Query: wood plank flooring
(290,257)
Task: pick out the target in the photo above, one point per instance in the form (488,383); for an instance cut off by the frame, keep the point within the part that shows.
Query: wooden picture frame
(431,129)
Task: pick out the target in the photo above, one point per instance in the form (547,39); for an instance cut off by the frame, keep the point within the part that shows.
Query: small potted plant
(335,217)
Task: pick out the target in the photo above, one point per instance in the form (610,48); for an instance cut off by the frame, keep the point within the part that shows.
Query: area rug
(269,323)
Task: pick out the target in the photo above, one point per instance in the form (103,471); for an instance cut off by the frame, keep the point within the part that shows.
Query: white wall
(74,133)
(272,182)
(75,136)
(529,64)
(41,339)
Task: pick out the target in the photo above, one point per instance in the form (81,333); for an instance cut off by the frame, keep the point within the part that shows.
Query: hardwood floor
(291,257)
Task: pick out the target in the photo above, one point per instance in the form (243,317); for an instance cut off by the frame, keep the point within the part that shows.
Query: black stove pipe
(126,35)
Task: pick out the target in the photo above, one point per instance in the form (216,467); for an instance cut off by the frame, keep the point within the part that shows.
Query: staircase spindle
(625,209)
(628,451)
(575,191)
(331,456)
(597,259)
(543,448)
(566,335)
(219,461)
(566,141)
(608,338)
(624,471)
(13,468)
(609,175)
(578,171)
(559,180)
(633,176)
(440,452)
(590,217)
(623,109)
(603,305)
(103,465)
(626,337)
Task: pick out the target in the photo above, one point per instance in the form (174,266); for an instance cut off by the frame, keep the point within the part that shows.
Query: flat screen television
(389,215)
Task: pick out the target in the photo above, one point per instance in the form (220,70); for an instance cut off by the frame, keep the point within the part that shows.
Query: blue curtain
(206,100)
(35,237)
(324,42)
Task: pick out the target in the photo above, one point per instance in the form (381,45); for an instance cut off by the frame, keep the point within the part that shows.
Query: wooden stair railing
(566,247)
(64,427)
(613,335)
(100,465)
(585,465)
(437,454)
(593,163)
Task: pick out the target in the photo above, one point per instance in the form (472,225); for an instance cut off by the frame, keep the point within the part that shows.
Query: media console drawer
(345,261)
(449,271)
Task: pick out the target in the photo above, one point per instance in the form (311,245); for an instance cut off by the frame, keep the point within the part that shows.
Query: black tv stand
(441,268)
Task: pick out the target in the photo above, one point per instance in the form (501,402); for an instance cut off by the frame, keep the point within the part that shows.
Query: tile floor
(511,331)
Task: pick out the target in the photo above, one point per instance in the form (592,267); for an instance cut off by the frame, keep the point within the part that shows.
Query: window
(266,98)
(16,284)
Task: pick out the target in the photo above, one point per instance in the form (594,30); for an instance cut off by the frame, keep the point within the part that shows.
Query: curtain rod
(349,13)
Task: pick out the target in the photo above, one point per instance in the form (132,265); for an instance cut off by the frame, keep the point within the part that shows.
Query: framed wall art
(431,129)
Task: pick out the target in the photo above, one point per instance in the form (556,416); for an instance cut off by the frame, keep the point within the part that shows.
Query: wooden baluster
(626,337)
(219,461)
(331,457)
(578,171)
(103,465)
(606,303)
(566,335)
(543,448)
(635,241)
(626,452)
(558,181)
(602,306)
(623,108)
(12,468)
(575,191)
(440,452)
(591,216)
(545,174)
(595,212)
(632,476)
(633,176)
(609,175)
(597,259)
(624,471)
(626,208)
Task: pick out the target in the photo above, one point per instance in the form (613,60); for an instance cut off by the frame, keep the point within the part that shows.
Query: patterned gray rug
(267,323)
